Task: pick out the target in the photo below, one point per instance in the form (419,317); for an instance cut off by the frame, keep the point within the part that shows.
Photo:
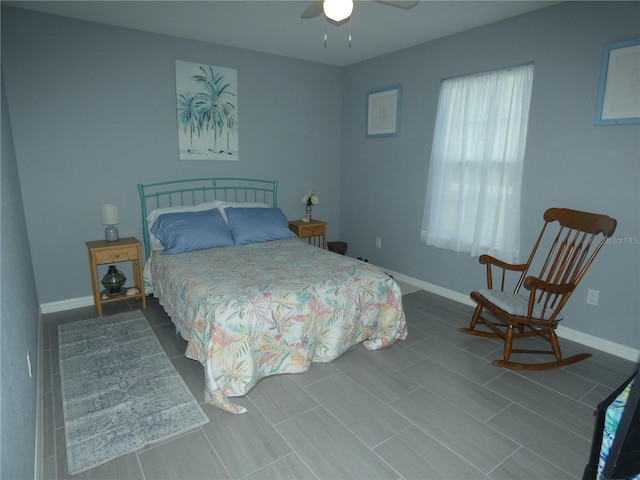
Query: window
(473,190)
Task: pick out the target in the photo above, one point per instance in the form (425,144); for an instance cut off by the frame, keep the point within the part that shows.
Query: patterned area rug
(120,391)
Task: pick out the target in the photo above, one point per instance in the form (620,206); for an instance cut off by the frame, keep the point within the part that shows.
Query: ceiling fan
(318,7)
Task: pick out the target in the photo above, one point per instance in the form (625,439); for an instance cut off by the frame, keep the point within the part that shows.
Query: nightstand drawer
(113,256)
(313,231)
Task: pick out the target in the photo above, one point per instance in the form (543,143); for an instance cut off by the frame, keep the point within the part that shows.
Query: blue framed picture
(383,112)
(619,92)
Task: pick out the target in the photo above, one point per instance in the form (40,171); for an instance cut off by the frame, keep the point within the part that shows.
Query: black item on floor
(623,458)
(338,247)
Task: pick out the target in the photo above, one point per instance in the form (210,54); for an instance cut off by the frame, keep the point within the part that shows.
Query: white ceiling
(276,27)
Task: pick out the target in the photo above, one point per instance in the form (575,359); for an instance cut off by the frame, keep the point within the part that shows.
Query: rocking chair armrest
(492,261)
(488,259)
(535,283)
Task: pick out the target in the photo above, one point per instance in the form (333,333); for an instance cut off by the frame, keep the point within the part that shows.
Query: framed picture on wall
(383,112)
(207,109)
(619,92)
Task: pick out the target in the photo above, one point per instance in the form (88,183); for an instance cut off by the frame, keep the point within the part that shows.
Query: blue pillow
(186,231)
(253,225)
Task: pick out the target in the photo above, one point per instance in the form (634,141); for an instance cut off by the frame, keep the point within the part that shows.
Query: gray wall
(94,113)
(569,162)
(19,320)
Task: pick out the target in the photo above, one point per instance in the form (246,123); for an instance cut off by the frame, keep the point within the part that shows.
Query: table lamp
(109,216)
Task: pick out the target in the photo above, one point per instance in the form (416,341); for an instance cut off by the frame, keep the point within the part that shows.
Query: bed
(250,298)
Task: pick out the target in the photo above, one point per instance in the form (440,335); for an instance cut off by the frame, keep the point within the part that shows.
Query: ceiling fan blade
(399,3)
(313,10)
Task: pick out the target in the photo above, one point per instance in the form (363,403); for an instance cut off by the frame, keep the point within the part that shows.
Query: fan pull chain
(325,33)
(326,36)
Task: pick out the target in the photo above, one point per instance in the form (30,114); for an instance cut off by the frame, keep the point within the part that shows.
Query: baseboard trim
(69,304)
(430,287)
(601,344)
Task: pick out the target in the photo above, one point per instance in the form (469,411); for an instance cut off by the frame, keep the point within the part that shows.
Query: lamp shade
(337,10)
(109,214)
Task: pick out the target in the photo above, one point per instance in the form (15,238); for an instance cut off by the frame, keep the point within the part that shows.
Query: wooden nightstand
(313,230)
(123,250)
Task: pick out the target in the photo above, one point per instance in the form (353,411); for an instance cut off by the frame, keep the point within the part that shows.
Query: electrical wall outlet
(592,296)
(378,242)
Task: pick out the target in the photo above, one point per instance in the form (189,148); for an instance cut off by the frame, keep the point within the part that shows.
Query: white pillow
(153,216)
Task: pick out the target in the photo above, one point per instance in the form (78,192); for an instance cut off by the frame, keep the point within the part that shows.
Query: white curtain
(473,190)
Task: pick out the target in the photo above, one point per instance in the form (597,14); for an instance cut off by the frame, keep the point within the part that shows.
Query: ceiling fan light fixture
(337,10)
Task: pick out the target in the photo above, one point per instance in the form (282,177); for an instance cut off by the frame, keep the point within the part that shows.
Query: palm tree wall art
(207,106)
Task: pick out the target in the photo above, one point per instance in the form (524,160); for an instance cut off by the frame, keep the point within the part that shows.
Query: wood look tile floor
(430,407)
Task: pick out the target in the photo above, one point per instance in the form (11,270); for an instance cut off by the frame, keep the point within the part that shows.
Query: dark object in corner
(338,247)
(623,458)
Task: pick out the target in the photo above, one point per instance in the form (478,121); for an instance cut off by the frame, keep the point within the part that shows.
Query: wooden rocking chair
(536,312)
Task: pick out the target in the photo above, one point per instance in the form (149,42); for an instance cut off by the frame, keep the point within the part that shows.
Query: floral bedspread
(251,311)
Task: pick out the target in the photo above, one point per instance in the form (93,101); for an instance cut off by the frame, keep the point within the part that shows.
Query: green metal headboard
(193,191)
